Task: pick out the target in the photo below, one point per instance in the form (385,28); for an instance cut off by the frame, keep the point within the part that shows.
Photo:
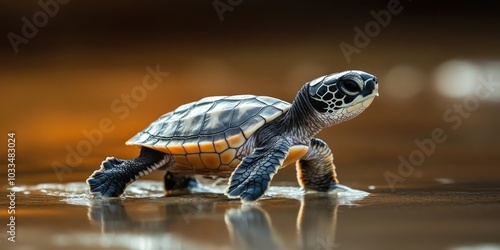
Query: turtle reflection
(251,228)
(270,224)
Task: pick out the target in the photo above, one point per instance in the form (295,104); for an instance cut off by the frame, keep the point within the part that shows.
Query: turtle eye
(349,87)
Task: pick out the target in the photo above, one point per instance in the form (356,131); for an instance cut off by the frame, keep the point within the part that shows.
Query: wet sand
(61,216)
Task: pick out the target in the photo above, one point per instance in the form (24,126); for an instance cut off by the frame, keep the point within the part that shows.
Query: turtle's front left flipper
(316,171)
(253,176)
(115,174)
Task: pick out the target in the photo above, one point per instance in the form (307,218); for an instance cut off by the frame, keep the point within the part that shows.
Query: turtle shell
(204,136)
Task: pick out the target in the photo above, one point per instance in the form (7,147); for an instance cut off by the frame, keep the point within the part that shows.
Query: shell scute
(251,125)
(227,156)
(207,146)
(191,148)
(270,113)
(176,149)
(195,161)
(210,160)
(221,146)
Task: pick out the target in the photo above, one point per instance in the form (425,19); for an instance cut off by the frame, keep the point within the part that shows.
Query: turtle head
(342,96)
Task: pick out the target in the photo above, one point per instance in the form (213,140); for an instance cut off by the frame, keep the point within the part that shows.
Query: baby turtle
(245,137)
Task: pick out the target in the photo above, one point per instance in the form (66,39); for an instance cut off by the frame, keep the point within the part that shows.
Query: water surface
(63,216)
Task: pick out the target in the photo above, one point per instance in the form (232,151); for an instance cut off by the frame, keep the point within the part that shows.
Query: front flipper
(316,171)
(253,176)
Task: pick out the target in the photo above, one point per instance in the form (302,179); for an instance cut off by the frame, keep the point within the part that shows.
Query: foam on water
(76,193)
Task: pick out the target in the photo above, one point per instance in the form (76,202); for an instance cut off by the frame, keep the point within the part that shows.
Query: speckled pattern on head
(205,135)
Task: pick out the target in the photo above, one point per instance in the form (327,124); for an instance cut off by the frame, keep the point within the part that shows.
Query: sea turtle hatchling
(245,137)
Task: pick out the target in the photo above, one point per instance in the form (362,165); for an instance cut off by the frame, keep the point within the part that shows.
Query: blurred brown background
(71,75)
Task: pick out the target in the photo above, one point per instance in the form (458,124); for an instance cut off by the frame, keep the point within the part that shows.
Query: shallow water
(62,216)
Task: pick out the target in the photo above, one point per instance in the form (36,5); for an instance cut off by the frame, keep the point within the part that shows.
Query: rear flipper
(115,174)
(178,183)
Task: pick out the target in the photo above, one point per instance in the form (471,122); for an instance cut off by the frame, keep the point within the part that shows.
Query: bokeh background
(73,73)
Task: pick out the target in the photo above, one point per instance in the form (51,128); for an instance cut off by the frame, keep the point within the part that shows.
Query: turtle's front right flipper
(115,174)
(253,176)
